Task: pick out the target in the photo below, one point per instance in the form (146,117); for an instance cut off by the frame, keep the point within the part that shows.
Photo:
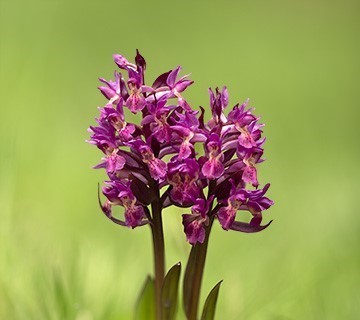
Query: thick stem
(194,274)
(159,253)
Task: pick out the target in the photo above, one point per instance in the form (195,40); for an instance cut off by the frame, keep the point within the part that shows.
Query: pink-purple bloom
(194,223)
(158,154)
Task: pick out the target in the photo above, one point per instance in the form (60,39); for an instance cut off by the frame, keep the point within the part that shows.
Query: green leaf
(145,304)
(210,303)
(189,278)
(169,293)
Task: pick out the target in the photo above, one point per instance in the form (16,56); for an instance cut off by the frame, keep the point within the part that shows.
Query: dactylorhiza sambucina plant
(212,185)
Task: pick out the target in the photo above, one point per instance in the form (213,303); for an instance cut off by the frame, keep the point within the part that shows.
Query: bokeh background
(298,61)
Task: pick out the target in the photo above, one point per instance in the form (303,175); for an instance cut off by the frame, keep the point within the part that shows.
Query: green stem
(159,253)
(194,274)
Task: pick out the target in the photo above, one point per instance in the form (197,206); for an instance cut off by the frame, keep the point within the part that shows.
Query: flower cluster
(158,155)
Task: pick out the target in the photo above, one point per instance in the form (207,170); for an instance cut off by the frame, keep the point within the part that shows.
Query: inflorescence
(159,153)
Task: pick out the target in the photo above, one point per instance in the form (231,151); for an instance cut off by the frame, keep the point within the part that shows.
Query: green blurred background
(298,61)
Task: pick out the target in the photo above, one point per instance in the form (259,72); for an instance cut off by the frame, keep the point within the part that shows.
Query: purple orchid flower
(113,163)
(114,90)
(194,223)
(242,199)
(119,193)
(213,168)
(183,178)
(156,166)
(218,102)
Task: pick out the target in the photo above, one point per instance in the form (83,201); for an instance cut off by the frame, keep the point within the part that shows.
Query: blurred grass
(297,61)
